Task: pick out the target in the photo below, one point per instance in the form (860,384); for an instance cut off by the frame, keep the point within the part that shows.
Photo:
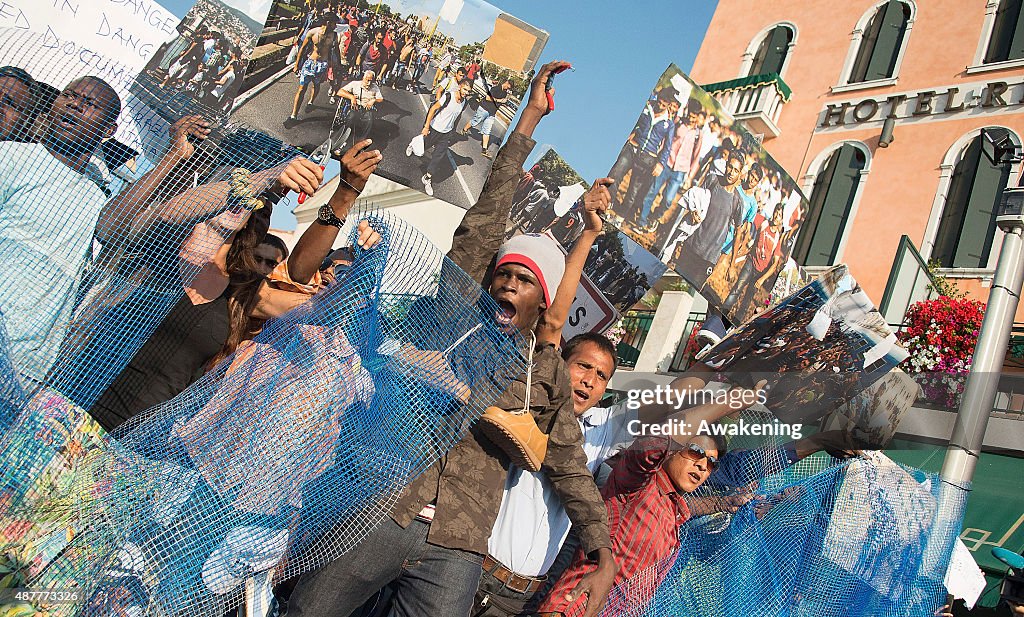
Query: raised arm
(595,203)
(316,242)
(483,228)
(118,216)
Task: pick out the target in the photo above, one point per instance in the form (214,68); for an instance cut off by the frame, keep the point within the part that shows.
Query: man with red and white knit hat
(541,255)
(431,548)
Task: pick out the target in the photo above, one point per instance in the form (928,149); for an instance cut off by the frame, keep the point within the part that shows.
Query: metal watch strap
(326,216)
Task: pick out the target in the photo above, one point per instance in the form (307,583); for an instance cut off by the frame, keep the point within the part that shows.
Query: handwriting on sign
(13,16)
(152,14)
(124,38)
(111,71)
(65,6)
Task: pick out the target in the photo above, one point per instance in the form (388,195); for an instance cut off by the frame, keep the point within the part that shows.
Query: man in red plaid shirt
(643,495)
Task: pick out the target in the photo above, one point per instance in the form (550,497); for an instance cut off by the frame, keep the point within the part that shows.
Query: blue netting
(865,537)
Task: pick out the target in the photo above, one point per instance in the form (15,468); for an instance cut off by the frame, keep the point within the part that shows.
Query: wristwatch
(326,216)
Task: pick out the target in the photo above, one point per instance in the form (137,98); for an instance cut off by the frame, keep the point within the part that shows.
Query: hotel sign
(939,103)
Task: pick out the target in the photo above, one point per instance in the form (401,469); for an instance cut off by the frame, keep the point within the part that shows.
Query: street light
(980,392)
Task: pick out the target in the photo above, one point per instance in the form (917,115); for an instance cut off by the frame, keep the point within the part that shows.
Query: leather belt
(515,582)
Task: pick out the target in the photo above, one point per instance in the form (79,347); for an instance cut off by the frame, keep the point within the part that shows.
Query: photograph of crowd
(549,199)
(699,191)
(205,62)
(434,84)
(817,349)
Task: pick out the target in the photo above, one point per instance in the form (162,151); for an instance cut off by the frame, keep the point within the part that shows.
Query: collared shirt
(644,515)
(653,134)
(532,524)
(466,483)
(48,214)
(683,152)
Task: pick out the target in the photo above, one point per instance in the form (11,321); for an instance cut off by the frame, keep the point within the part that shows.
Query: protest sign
(352,73)
(699,191)
(617,273)
(205,59)
(816,349)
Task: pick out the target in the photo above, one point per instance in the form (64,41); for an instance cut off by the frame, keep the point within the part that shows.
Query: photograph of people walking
(435,85)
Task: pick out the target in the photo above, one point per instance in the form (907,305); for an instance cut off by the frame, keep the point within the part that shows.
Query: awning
(753,81)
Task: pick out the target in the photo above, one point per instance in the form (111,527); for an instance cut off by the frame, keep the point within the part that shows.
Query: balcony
(756,100)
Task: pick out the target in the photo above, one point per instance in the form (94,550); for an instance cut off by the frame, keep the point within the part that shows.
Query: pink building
(824,81)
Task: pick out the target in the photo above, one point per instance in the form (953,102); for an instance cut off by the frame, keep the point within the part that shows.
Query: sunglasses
(696,453)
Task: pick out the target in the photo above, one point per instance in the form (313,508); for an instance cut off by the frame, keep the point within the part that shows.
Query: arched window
(831,202)
(967,225)
(882,43)
(772,51)
(1007,39)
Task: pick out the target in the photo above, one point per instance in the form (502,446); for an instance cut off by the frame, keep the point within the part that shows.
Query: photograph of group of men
(417,80)
(205,62)
(548,199)
(700,192)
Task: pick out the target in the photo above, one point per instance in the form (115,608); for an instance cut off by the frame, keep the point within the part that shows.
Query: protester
(373,56)
(644,493)
(439,131)
(442,520)
(38,285)
(312,68)
(483,118)
(16,103)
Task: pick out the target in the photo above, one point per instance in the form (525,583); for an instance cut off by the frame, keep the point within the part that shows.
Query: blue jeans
(674,179)
(482,120)
(429,580)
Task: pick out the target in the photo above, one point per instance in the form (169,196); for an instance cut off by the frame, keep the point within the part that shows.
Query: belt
(515,582)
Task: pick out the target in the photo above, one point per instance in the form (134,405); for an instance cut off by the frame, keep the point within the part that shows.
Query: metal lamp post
(980,392)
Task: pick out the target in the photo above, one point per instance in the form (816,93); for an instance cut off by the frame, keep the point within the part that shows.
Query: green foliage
(942,285)
(553,171)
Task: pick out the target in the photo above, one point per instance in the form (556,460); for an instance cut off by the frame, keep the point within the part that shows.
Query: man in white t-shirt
(48,212)
(439,130)
(363,95)
(532,524)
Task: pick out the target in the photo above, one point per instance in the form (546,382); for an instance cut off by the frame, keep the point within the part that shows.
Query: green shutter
(967,226)
(771,54)
(815,206)
(880,45)
(890,37)
(836,208)
(830,205)
(1007,39)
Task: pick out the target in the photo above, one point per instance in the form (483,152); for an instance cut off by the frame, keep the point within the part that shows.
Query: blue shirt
(654,135)
(48,215)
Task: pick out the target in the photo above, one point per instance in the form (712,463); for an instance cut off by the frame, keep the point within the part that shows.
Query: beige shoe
(518,435)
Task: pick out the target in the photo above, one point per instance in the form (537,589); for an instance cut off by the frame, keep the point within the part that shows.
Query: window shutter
(835,206)
(771,54)
(867,46)
(967,226)
(1007,39)
(886,51)
(802,250)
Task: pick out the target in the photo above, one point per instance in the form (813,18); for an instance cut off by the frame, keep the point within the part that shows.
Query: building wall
(514,44)
(903,179)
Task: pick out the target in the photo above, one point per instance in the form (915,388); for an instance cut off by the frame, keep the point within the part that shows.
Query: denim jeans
(494,599)
(640,180)
(743,289)
(429,580)
(483,120)
(674,180)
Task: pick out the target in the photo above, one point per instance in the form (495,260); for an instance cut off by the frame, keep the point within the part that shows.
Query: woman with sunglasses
(644,496)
